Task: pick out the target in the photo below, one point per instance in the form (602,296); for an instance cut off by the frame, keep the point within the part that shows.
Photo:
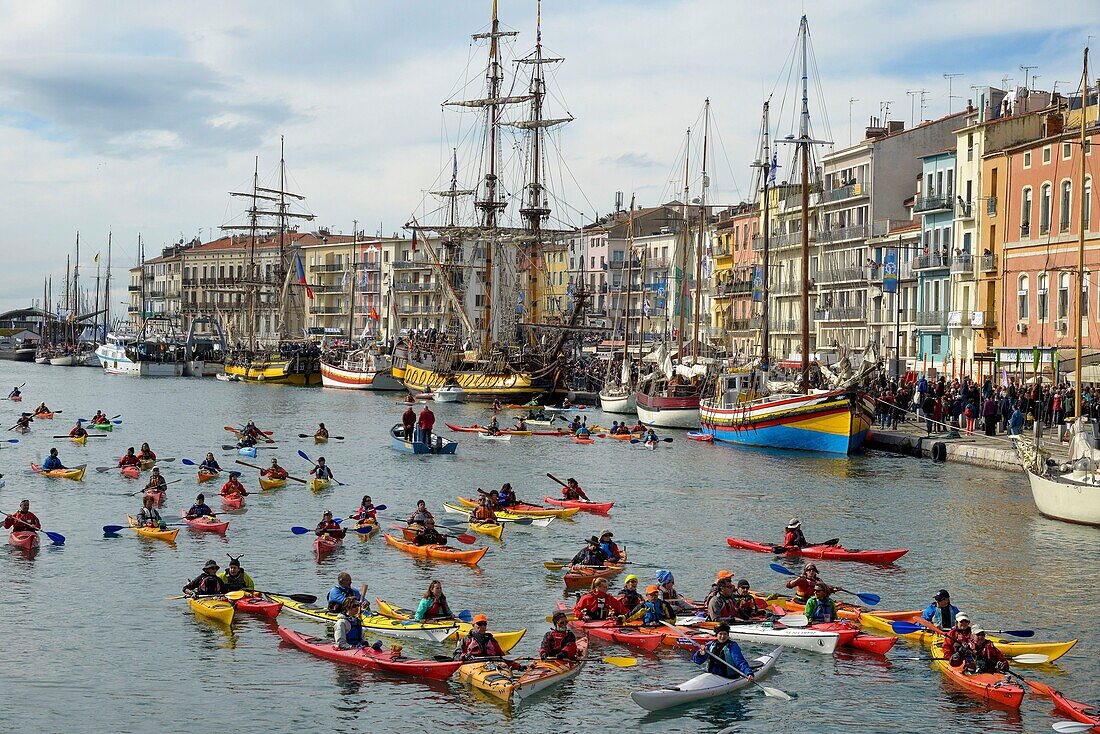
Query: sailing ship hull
(1069,501)
(666,412)
(478,387)
(831,422)
(65,360)
(343,378)
(274,371)
(622,403)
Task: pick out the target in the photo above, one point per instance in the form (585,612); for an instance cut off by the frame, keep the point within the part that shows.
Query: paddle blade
(305,456)
(781,569)
(523,521)
(1031,659)
(905,628)
(380,508)
(301,598)
(110,529)
(465,538)
(55,538)
(235,595)
(366,529)
(868,599)
(621,662)
(1017,633)
(1071,727)
(299,530)
(188,462)
(550,566)
(775,693)
(465,616)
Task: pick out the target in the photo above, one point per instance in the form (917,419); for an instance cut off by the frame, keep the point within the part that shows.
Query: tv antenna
(950,78)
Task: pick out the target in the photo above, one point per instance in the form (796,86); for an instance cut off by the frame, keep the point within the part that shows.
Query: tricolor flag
(302,278)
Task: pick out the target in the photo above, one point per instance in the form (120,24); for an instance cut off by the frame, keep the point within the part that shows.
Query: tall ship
(364,368)
(490,235)
(749,409)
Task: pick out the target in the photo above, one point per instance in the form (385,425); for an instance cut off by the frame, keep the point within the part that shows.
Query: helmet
(664,576)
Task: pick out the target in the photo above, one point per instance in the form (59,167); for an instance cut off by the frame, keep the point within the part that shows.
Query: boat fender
(939,452)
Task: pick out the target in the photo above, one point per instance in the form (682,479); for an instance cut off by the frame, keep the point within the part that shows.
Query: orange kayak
(438,552)
(581,577)
(992,687)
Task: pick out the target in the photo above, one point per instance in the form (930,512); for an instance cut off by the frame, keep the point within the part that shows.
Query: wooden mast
(804,155)
(765,313)
(684,239)
(702,240)
(1081,236)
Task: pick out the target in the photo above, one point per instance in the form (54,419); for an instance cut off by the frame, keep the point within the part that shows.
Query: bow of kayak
(501,682)
(995,688)
(705,686)
(368,657)
(218,610)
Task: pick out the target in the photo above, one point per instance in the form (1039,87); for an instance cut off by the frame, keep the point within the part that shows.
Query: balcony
(932,318)
(735,288)
(742,324)
(328,268)
(839,234)
(963,265)
(845,192)
(790,288)
(190,282)
(414,287)
(622,264)
(929,204)
(779,241)
(972,319)
(840,275)
(964,209)
(1025,229)
(325,310)
(988,263)
(931,262)
(328,289)
(888,316)
(657,263)
(368,266)
(788,326)
(133,288)
(410,264)
(843,313)
(905,271)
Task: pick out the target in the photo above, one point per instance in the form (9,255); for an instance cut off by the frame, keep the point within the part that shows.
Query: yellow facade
(551,287)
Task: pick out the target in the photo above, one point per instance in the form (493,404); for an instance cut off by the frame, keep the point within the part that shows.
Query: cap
(326,513)
(210,563)
(978,631)
(723,576)
(594,539)
(607,534)
(794,523)
(559,615)
(652,589)
(630,578)
(941,595)
(234,473)
(479,618)
(743,584)
(808,566)
(962,618)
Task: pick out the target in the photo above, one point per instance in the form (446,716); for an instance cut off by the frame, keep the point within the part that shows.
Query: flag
(344,280)
(302,278)
(645,308)
(414,241)
(771,169)
(96,258)
(373,314)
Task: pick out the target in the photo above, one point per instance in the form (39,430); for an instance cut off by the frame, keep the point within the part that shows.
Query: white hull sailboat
(620,401)
(1072,492)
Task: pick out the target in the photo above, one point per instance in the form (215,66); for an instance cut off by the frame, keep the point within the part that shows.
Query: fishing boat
(130,354)
(448,394)
(362,369)
(439,445)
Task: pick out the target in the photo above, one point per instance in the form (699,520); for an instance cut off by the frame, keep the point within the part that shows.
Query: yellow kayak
(218,610)
(501,682)
(147,464)
(76,473)
(506,640)
(374,528)
(169,536)
(524,509)
(934,640)
(492,529)
(377,623)
(79,441)
(318,484)
(266,483)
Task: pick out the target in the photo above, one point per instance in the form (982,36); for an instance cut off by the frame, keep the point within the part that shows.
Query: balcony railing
(410,264)
(657,263)
(779,241)
(737,287)
(888,316)
(932,318)
(788,326)
(1025,229)
(839,234)
(844,192)
(988,263)
(328,268)
(931,262)
(905,271)
(368,266)
(789,288)
(417,287)
(964,209)
(133,288)
(963,265)
(328,288)
(325,310)
(843,313)
(973,319)
(840,275)
(927,204)
(742,324)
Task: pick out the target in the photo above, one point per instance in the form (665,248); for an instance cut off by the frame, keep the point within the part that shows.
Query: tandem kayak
(506,640)
(318,484)
(206,476)
(995,688)
(502,516)
(823,552)
(368,657)
(168,536)
(501,682)
(881,621)
(218,610)
(526,509)
(704,686)
(25,539)
(267,483)
(75,473)
(438,552)
(433,631)
(600,508)
(206,523)
(259,606)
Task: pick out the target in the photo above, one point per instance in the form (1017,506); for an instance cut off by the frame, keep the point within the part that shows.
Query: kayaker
(156,482)
(614,430)
(15,393)
(434,604)
(566,403)
(493,429)
(598,604)
(199,509)
(723,576)
(731,662)
(506,497)
(667,582)
(329,527)
(23,422)
(957,640)
(793,536)
(252,432)
(52,462)
(408,423)
(428,535)
(480,643)
(820,607)
(206,583)
(210,465)
(321,432)
(23,518)
(483,513)
(235,577)
(651,439)
(608,547)
(744,601)
(720,605)
(573,491)
(347,633)
(421,515)
(559,643)
(986,657)
(245,442)
(521,425)
(804,583)
(366,511)
(654,610)
(78,431)
(638,427)
(941,612)
(590,555)
(146,453)
(274,471)
(342,591)
(42,409)
(99,417)
(233,487)
(425,422)
(497,407)
(629,596)
(321,471)
(148,517)
(130,459)
(583,432)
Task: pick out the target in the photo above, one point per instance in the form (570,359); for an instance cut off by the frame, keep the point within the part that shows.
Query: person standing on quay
(989,414)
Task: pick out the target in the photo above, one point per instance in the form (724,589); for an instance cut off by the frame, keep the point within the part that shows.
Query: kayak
(103,426)
(206,523)
(325,544)
(75,473)
(823,552)
(767,633)
(259,606)
(218,610)
(368,657)
(167,535)
(880,621)
(581,577)
(43,415)
(266,483)
(158,495)
(374,528)
(79,440)
(600,508)
(475,428)
(580,439)
(501,682)
(130,472)
(502,516)
(206,477)
(995,688)
(25,539)
(704,686)
(249,451)
(438,552)
(497,437)
(860,640)
(492,529)
(320,439)
(147,464)
(1076,710)
(318,484)
(232,501)
(633,635)
(506,640)
(526,509)
(432,631)
(697,436)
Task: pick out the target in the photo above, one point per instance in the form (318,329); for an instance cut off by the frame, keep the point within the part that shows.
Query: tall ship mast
(490,237)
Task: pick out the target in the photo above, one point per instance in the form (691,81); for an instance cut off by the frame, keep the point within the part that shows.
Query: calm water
(90,636)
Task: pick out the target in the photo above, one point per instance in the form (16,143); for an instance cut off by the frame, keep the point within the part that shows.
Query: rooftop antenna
(884,109)
(1054,90)
(950,78)
(1027,71)
(912,109)
(923,94)
(851,101)
(1005,80)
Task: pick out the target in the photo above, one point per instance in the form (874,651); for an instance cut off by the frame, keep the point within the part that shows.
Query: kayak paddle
(253,466)
(10,440)
(146,489)
(301,598)
(768,691)
(1071,727)
(55,538)
(305,456)
(306,435)
(866,598)
(667,439)
(89,435)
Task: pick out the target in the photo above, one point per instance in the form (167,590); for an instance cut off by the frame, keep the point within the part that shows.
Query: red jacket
(481,645)
(598,605)
(956,640)
(129,460)
(23,521)
(233,487)
(408,418)
(554,642)
(275,473)
(426,420)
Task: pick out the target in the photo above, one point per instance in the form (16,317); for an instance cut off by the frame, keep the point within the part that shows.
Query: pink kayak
(599,508)
(158,495)
(25,539)
(206,523)
(232,501)
(130,472)
(259,605)
(824,552)
(325,544)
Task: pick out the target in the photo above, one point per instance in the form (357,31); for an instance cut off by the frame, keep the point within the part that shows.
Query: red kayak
(367,657)
(232,501)
(325,544)
(579,439)
(1076,710)
(130,472)
(259,605)
(824,552)
(608,629)
(206,524)
(25,539)
(860,640)
(599,508)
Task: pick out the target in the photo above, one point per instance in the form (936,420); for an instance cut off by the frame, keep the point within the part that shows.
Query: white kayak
(766,634)
(704,686)
(497,437)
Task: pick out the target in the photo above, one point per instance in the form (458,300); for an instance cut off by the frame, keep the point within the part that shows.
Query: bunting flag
(302,278)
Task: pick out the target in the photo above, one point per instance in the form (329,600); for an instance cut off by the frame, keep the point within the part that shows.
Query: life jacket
(630,599)
(275,472)
(147,455)
(794,538)
(570,493)
(365,514)
(721,607)
(207,584)
(803,588)
(818,611)
(438,608)
(479,645)
(504,499)
(232,487)
(129,460)
(211,466)
(554,642)
(601,610)
(239,582)
(656,612)
(481,512)
(611,551)
(355,632)
(199,510)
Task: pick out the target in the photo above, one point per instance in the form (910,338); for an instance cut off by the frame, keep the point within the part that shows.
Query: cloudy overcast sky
(137,118)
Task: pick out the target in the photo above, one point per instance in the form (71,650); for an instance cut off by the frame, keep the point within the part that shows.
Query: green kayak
(103,426)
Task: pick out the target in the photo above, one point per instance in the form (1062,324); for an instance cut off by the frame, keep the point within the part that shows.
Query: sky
(137,118)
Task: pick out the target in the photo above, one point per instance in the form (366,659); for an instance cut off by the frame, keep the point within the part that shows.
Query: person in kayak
(252,432)
(667,583)
(793,536)
(420,515)
(130,459)
(52,462)
(148,517)
(493,429)
(274,471)
(15,393)
(608,547)
(428,535)
(820,607)
(343,591)
(199,509)
(233,487)
(23,518)
(245,442)
(210,465)
(321,471)
(483,513)
(321,432)
(637,427)
(99,417)
(985,657)
(654,610)
(23,422)
(598,604)
(651,439)
(730,661)
(573,491)
(590,555)
(156,481)
(804,583)
(559,643)
(206,583)
(366,512)
(434,604)
(720,605)
(629,596)
(521,424)
(235,578)
(42,409)
(78,431)
(146,453)
(347,633)
(506,497)
(957,640)
(497,407)
(941,612)
(744,602)
(408,423)
(329,527)
(575,425)
(480,643)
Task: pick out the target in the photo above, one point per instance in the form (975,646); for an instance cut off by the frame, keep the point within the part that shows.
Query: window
(1085,295)
(1025,214)
(1046,155)
(1022,298)
(1044,209)
(1065,206)
(1086,213)
(1041,297)
(1063,296)
(1065,151)
(1027,159)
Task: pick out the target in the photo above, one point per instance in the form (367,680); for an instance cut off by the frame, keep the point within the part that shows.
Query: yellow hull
(277,372)
(477,386)
(506,640)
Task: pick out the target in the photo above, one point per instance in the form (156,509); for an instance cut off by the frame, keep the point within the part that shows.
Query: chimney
(1054,124)
(895,126)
